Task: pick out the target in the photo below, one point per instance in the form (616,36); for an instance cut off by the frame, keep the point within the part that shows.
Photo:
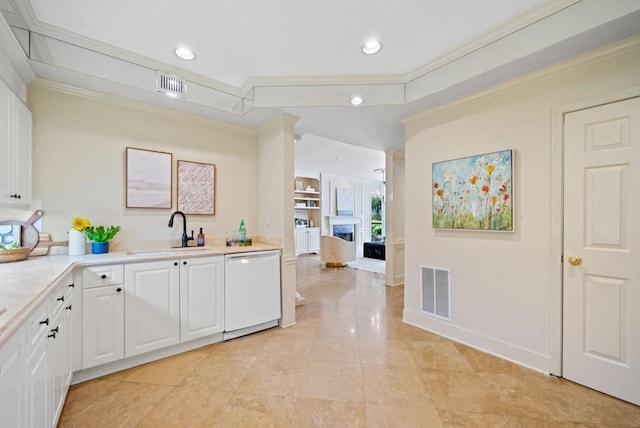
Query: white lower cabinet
(12,381)
(307,240)
(102,325)
(152,306)
(172,301)
(38,386)
(132,309)
(60,357)
(48,359)
(314,240)
(201,297)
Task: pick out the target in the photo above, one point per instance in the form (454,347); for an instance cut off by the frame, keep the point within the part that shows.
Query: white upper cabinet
(16,136)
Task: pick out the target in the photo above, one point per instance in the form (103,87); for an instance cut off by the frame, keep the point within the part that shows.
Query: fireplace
(343,231)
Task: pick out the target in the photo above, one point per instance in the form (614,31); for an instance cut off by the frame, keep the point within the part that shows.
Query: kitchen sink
(171,250)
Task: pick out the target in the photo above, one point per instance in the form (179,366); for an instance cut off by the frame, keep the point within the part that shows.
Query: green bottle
(242,231)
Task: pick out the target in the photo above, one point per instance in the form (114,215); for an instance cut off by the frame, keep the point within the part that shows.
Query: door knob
(575,260)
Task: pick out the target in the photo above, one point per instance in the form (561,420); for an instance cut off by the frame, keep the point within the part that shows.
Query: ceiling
(256,58)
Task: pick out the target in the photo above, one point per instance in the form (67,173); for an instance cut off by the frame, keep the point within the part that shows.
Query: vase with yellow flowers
(77,236)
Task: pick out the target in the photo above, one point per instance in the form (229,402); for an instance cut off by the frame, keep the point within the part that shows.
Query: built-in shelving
(306,201)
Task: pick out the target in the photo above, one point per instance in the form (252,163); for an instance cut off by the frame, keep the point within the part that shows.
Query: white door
(601,301)
(152,306)
(301,241)
(201,297)
(12,381)
(102,325)
(314,240)
(38,386)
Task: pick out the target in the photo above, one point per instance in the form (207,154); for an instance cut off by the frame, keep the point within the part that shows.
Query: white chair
(336,252)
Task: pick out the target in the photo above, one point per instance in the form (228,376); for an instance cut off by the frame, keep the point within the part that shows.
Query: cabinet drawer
(37,328)
(61,294)
(99,276)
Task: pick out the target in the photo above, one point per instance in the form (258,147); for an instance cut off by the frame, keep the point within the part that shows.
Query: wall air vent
(171,85)
(436,291)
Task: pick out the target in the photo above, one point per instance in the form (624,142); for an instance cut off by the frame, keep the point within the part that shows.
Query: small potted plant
(101,237)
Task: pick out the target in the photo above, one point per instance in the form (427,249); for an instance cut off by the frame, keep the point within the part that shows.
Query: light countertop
(25,284)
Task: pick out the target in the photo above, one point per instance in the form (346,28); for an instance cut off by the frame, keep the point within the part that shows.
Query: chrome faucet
(185,238)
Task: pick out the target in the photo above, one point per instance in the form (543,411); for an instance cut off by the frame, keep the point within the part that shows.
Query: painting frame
(148,178)
(196,187)
(474,193)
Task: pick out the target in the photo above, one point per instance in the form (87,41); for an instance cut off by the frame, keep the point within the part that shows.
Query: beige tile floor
(349,362)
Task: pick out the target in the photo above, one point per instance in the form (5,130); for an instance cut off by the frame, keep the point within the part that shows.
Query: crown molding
(14,52)
(33,24)
(510,27)
(605,53)
(340,80)
(330,90)
(138,105)
(519,22)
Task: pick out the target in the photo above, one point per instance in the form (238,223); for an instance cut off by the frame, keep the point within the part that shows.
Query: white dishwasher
(251,292)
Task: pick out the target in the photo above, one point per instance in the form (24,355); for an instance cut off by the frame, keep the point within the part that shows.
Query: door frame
(557,213)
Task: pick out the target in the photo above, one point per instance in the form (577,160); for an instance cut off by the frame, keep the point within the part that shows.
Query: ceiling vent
(170,84)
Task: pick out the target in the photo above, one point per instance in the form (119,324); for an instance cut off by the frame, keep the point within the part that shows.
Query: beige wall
(79,163)
(500,298)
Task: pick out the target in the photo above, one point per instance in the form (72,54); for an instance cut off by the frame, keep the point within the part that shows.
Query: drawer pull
(44,322)
(68,308)
(184,262)
(103,276)
(55,330)
(72,285)
(118,289)
(60,299)
(16,196)
(175,263)
(52,335)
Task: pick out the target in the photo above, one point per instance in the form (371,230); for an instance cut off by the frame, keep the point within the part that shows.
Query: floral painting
(474,193)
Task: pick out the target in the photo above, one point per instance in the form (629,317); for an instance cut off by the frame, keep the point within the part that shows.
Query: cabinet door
(22,140)
(102,325)
(15,148)
(5,141)
(302,241)
(152,309)
(12,382)
(38,386)
(60,362)
(314,240)
(56,353)
(201,297)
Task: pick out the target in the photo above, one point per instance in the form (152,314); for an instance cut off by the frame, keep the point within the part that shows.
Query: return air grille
(170,84)
(436,291)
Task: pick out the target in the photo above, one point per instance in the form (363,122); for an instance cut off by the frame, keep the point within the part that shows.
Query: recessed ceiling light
(356,101)
(185,53)
(371,47)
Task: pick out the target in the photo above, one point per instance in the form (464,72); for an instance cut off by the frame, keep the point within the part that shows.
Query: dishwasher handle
(253,257)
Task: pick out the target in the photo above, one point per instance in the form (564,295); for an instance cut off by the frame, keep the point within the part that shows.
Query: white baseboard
(515,354)
(136,360)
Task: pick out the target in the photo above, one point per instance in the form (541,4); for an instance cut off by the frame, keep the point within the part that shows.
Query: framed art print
(474,193)
(148,178)
(196,187)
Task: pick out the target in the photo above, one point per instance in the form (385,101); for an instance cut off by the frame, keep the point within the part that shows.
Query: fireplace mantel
(342,219)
